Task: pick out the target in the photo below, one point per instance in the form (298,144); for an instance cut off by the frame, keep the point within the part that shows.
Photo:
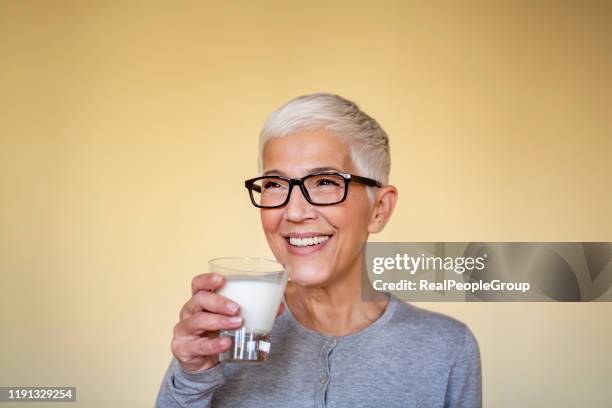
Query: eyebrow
(310,171)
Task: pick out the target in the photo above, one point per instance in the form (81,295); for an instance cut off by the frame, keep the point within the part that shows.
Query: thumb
(281,309)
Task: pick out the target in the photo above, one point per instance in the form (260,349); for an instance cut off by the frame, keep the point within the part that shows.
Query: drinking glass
(257,285)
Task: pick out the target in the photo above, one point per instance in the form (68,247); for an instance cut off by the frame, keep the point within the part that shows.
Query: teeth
(301,242)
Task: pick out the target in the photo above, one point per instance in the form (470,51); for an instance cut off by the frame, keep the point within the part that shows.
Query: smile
(306,243)
(311,241)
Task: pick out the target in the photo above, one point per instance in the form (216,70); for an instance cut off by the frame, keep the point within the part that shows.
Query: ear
(384,204)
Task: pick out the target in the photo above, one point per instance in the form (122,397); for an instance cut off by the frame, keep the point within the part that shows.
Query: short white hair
(368,142)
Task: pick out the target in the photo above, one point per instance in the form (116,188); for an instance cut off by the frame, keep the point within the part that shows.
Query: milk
(258,299)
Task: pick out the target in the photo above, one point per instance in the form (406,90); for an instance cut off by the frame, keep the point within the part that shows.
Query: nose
(297,208)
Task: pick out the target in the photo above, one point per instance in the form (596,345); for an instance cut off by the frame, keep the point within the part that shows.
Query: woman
(330,348)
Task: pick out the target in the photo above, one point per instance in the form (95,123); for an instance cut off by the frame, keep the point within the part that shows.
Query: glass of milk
(257,285)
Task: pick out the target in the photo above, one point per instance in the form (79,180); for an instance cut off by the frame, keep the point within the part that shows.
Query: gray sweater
(409,357)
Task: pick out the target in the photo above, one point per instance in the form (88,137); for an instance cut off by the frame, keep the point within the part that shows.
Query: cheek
(352,222)
(270,222)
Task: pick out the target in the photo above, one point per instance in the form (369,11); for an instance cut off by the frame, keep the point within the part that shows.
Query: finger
(202,322)
(206,281)
(208,347)
(208,302)
(281,309)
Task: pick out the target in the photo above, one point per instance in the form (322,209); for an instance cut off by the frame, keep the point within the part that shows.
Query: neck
(335,309)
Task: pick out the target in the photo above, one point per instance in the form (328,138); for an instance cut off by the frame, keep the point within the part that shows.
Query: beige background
(117,120)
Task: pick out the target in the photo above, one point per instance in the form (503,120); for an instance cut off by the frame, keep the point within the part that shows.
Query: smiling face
(319,244)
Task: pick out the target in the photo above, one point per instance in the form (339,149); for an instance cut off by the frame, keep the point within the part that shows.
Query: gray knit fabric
(409,357)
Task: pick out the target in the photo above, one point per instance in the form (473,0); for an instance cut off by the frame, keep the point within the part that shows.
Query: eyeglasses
(325,188)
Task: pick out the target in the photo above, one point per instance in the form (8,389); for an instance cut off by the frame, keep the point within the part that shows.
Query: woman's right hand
(196,343)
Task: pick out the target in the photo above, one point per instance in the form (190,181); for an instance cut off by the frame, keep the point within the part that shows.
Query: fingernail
(216,278)
(232,307)
(235,320)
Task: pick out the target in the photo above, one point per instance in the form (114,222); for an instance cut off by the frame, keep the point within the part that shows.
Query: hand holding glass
(257,285)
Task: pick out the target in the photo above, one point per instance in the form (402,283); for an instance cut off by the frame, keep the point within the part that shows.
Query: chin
(308,276)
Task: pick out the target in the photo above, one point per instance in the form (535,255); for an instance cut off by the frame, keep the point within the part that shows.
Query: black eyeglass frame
(348,178)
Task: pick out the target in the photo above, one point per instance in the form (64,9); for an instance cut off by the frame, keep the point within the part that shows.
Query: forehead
(297,154)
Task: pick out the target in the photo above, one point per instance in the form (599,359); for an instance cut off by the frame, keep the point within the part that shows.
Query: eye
(270,184)
(327,182)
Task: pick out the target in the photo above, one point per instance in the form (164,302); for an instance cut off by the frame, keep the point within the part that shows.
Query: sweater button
(323,379)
